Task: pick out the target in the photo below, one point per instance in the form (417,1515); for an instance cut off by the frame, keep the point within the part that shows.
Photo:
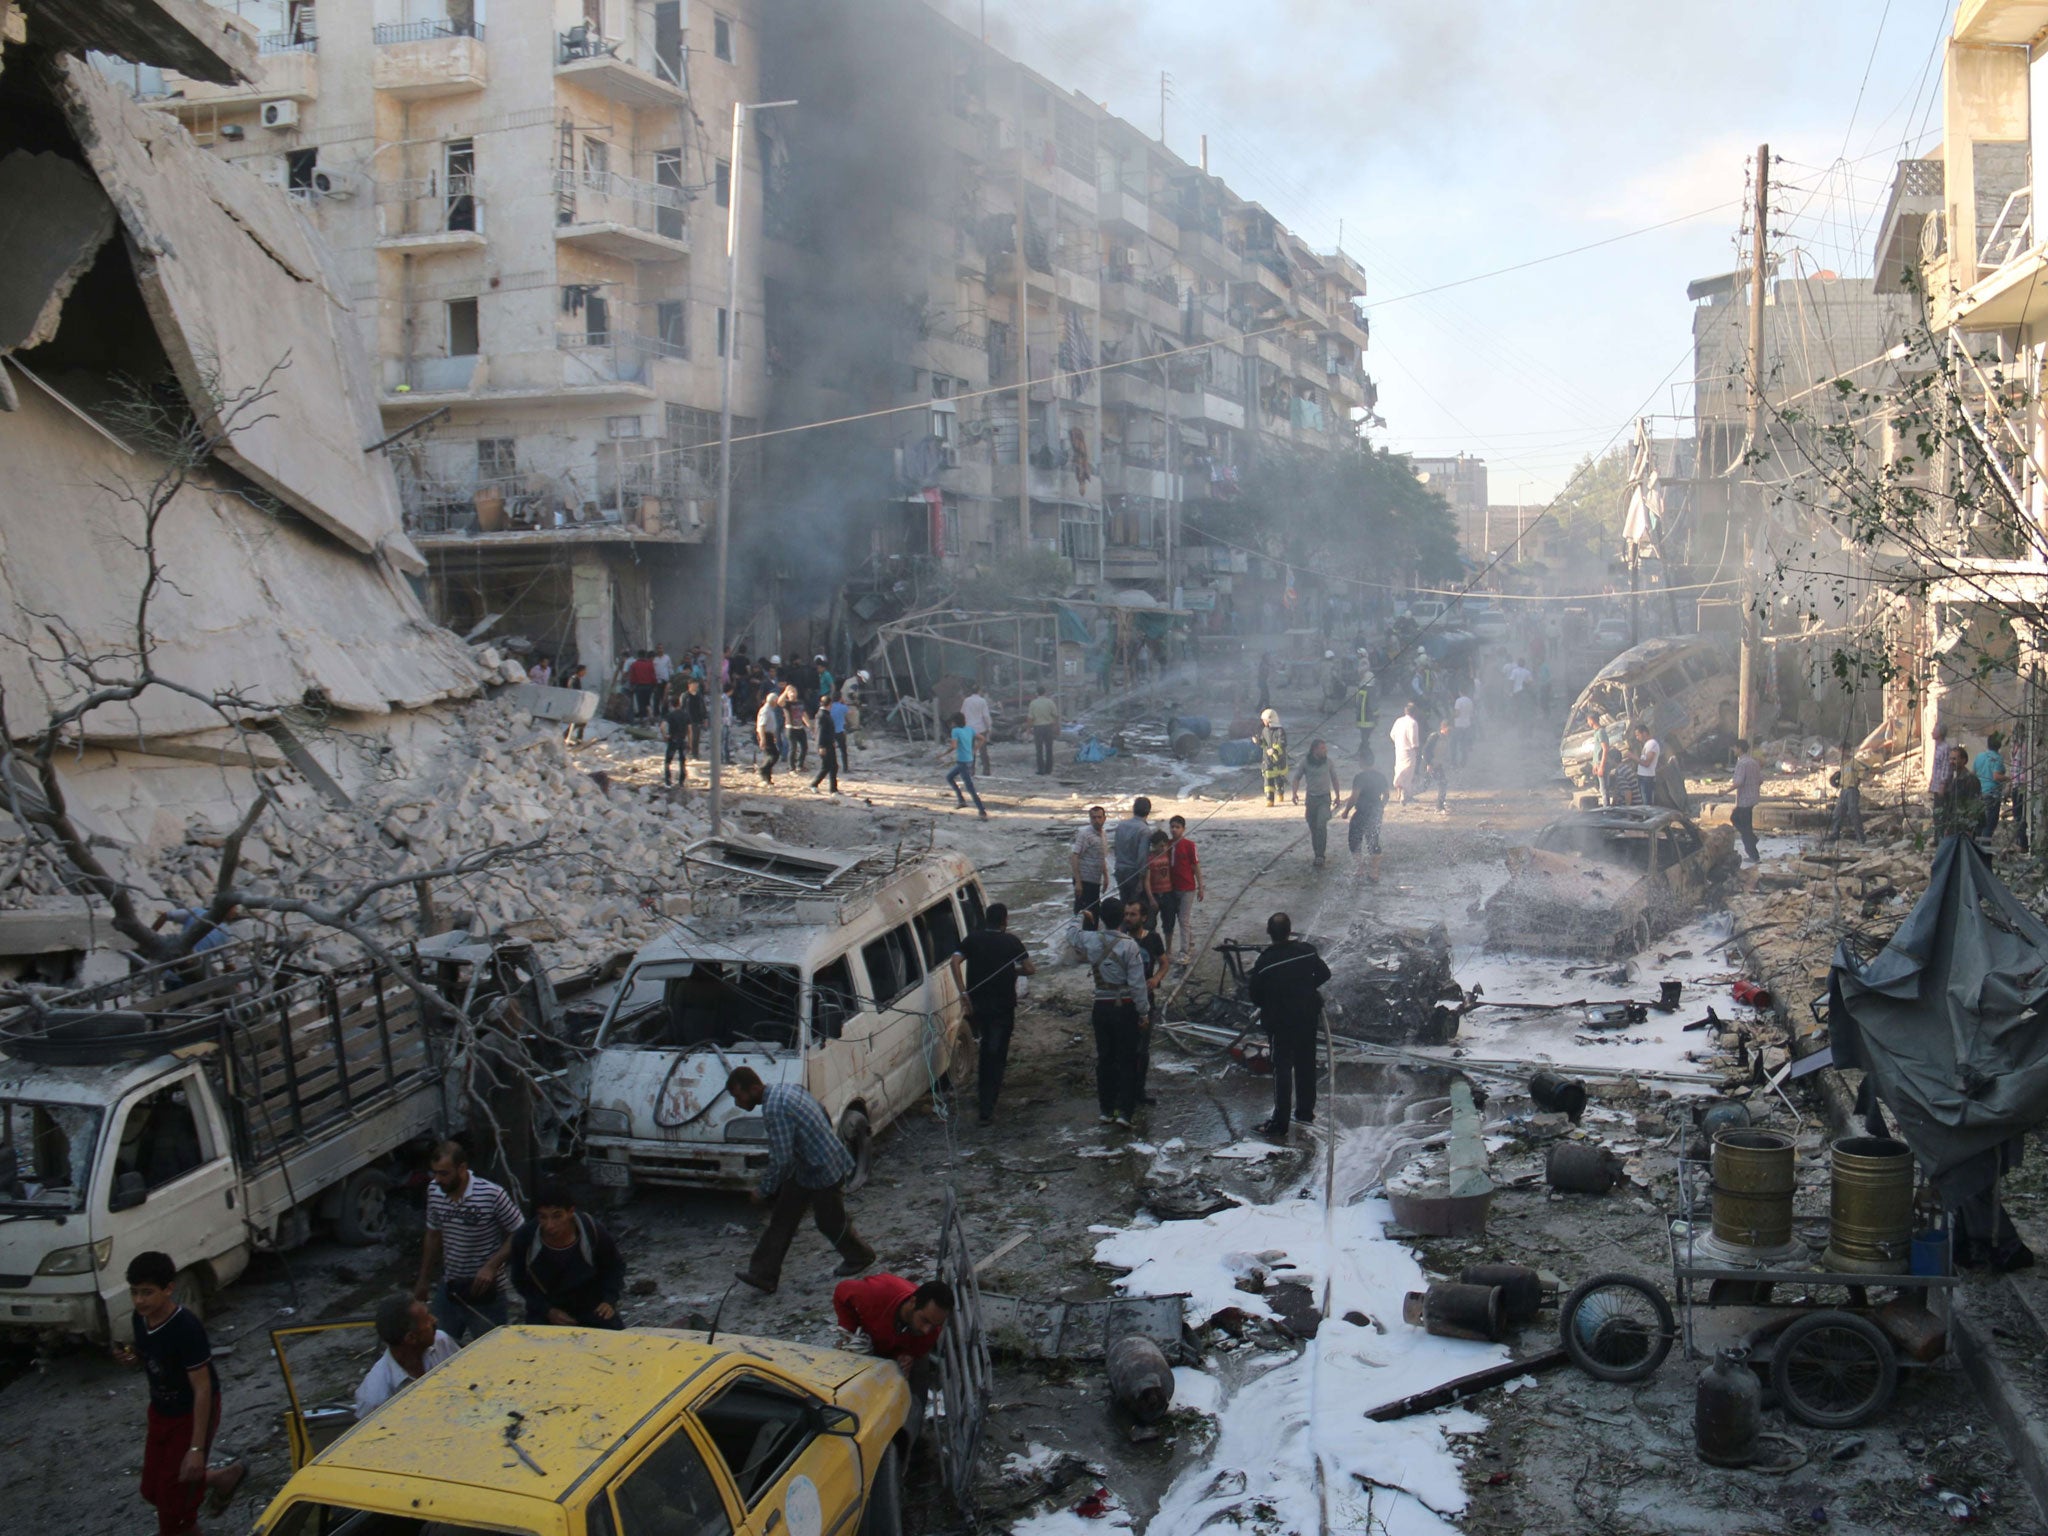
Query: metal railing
(2015,222)
(605,197)
(426,31)
(443,205)
(286,42)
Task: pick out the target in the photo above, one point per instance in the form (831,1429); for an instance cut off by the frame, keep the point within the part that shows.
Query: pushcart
(1832,1342)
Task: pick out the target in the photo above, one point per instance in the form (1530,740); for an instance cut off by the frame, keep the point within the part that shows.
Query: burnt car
(1604,883)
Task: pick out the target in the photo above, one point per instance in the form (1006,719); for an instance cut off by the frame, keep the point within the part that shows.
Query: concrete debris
(56,219)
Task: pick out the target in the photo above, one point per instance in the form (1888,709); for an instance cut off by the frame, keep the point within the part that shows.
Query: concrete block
(570,706)
(53,221)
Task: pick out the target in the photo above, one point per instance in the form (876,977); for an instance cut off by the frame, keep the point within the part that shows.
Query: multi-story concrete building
(522,201)
(1461,481)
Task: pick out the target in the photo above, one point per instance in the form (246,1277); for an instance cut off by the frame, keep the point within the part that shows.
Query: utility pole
(1163,78)
(1760,214)
(1023,338)
(740,109)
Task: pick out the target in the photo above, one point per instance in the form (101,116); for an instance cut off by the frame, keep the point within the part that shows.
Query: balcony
(425,214)
(633,504)
(1207,254)
(1915,198)
(1049,485)
(1153,300)
(1131,562)
(421,60)
(603,368)
(1061,277)
(617,216)
(1125,477)
(1133,391)
(287,69)
(1122,210)
(629,70)
(610,357)
(1206,406)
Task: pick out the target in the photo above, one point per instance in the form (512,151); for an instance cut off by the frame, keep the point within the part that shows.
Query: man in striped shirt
(808,1166)
(470,1226)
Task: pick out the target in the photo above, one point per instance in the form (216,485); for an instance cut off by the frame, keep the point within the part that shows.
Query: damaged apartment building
(528,208)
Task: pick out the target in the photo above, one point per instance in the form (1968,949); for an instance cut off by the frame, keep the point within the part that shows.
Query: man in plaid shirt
(808,1166)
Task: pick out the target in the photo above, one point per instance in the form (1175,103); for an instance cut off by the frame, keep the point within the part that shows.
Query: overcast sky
(1453,137)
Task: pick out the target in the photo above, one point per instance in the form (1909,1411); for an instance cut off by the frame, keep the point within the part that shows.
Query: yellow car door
(669,1490)
(791,1457)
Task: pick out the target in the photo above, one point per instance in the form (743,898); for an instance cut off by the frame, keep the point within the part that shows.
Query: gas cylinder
(1727,1408)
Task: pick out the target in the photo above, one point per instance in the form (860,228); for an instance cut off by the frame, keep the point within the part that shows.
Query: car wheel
(884,1513)
(188,1289)
(364,1216)
(859,1137)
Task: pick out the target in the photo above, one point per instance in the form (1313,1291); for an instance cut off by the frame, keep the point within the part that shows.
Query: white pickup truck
(206,1109)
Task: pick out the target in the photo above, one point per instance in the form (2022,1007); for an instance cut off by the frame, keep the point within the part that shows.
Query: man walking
(1272,743)
(1088,860)
(962,772)
(675,724)
(1122,1000)
(695,718)
(1436,763)
(1365,711)
(1044,713)
(828,742)
(1461,728)
(184,1400)
(1133,847)
(470,1225)
(1407,738)
(808,1166)
(1286,986)
(1988,765)
(640,676)
(980,720)
(902,1323)
(1188,887)
(413,1346)
(566,1265)
(768,726)
(1317,780)
(1749,789)
(1365,810)
(995,958)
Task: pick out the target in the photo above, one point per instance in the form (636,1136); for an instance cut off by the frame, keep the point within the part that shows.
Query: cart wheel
(1617,1327)
(1834,1370)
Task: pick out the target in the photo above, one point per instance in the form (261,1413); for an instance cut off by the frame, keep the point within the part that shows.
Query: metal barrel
(1753,1178)
(1556,1093)
(1870,1206)
(1521,1288)
(1455,1311)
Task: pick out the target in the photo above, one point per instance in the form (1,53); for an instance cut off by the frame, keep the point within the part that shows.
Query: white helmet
(1329,655)
(1270,717)
(818,658)
(863,675)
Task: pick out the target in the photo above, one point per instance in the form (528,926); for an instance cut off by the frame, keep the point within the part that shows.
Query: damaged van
(820,968)
(1681,686)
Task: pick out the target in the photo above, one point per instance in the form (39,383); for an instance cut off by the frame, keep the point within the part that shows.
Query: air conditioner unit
(280,114)
(1132,255)
(339,185)
(949,457)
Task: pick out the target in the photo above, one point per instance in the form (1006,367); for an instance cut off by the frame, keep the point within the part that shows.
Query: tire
(859,1137)
(190,1291)
(363,1218)
(1617,1327)
(1834,1370)
(883,1514)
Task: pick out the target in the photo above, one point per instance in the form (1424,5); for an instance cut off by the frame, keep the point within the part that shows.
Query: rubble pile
(1394,983)
(465,780)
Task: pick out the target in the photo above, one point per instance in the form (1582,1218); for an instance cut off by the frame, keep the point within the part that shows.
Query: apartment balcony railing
(628,69)
(620,216)
(287,42)
(425,31)
(429,210)
(611,356)
(629,497)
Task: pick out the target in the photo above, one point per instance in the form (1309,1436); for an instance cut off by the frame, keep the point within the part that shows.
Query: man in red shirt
(903,1323)
(1188,888)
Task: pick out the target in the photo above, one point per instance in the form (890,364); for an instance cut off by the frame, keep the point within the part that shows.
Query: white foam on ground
(1249,1151)
(1274,1428)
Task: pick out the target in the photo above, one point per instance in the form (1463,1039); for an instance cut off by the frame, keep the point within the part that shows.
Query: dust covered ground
(1260,1409)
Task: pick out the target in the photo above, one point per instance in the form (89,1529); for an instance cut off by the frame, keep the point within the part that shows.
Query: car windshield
(692,1004)
(339,1520)
(46,1155)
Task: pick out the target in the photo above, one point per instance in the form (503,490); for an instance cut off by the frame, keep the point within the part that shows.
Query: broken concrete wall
(255,602)
(240,293)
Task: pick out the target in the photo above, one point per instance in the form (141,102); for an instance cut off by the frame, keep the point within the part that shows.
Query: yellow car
(585,1432)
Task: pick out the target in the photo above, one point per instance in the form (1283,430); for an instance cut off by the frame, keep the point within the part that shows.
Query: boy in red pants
(184,1400)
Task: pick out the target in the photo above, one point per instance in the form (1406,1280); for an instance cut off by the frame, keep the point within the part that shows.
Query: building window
(672,326)
(722,182)
(721,37)
(495,459)
(597,161)
(721,336)
(597,321)
(1080,537)
(462,328)
(459,163)
(299,165)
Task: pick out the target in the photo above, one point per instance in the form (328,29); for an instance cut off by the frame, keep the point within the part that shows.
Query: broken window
(597,320)
(757,1430)
(46,1152)
(727,1003)
(833,999)
(299,165)
(672,326)
(668,40)
(721,37)
(668,210)
(597,161)
(722,183)
(160,1141)
(671,1490)
(495,458)
(938,931)
(463,335)
(972,906)
(459,187)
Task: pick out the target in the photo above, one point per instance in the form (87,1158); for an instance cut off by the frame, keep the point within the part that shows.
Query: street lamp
(740,109)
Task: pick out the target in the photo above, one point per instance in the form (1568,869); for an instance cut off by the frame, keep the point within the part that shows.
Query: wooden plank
(362,1068)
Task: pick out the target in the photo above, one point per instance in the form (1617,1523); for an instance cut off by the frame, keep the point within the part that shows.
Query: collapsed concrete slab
(238,288)
(53,220)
